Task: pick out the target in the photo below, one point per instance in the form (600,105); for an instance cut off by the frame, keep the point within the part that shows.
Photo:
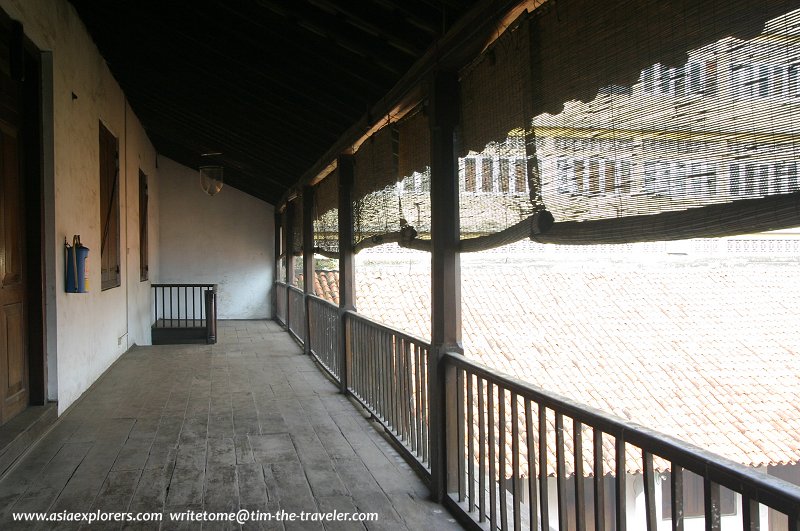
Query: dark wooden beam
(308,259)
(416,13)
(394,30)
(289,228)
(268,44)
(347,287)
(276,262)
(445,282)
(362,45)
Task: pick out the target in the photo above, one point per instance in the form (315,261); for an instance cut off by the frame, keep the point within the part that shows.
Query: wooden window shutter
(109,210)
(143,251)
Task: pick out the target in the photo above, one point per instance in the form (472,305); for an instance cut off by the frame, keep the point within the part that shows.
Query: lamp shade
(211,179)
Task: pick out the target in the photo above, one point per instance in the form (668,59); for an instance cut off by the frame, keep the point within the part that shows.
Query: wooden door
(14,387)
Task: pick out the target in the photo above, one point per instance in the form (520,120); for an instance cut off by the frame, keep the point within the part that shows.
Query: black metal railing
(296,313)
(280,302)
(323,325)
(388,374)
(183,307)
(529,459)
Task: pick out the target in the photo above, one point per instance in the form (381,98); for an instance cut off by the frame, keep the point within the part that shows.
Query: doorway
(21,330)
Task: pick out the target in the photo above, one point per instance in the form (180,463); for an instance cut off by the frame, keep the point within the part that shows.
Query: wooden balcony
(248,423)
(517,456)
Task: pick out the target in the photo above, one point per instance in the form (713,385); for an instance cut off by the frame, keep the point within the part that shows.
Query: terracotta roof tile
(708,352)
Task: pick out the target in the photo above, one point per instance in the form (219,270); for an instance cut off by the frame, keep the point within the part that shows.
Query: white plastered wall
(227,239)
(93,329)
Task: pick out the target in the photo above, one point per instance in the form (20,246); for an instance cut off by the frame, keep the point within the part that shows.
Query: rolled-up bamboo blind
(684,105)
(326,213)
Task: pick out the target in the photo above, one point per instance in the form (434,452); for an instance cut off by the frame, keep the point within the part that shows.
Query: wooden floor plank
(248,423)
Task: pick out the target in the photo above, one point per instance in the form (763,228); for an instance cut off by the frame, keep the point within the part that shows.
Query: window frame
(144,255)
(109,215)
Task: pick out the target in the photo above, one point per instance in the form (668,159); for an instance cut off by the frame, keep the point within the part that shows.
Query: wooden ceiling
(270,84)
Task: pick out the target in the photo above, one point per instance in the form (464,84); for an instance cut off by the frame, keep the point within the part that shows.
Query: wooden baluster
(426,406)
(460,415)
(408,418)
(599,482)
(580,498)
(515,479)
(481,453)
(676,489)
(751,519)
(619,447)
(711,501)
(501,468)
(533,507)
(561,475)
(418,370)
(649,490)
(470,445)
(492,475)
(544,501)
(393,388)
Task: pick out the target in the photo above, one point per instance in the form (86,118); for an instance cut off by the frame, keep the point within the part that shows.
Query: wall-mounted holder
(76,266)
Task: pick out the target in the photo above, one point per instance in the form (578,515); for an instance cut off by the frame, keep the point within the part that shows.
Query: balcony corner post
(347,289)
(289,228)
(273,300)
(445,282)
(308,262)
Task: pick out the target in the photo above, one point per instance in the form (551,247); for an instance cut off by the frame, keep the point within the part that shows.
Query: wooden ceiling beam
(391,30)
(263,104)
(331,28)
(234,66)
(209,135)
(413,17)
(308,68)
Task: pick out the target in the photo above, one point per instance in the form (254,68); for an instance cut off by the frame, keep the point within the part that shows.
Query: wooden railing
(280,302)
(323,323)
(526,457)
(388,374)
(518,456)
(296,313)
(184,309)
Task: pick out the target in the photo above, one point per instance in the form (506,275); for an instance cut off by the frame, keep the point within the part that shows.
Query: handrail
(387,372)
(408,337)
(321,300)
(756,487)
(296,313)
(323,333)
(281,312)
(295,289)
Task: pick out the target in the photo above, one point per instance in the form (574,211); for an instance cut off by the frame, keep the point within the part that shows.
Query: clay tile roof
(706,352)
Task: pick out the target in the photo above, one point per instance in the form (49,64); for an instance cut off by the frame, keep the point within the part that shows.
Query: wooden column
(347,288)
(277,263)
(308,260)
(288,224)
(445,282)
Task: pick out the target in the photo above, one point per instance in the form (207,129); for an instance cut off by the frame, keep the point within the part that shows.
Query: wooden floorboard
(248,423)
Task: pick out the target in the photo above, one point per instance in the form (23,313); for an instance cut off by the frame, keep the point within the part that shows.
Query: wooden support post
(347,287)
(308,261)
(445,284)
(288,223)
(273,302)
